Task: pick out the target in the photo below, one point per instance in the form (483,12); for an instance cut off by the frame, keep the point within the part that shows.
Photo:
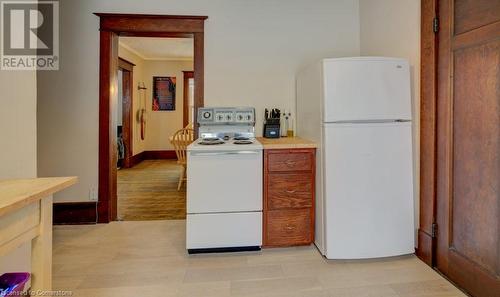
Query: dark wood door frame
(127,69)
(111,26)
(467,192)
(439,74)
(185,106)
(428,100)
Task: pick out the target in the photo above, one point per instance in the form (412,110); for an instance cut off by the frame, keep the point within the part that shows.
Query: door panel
(217,230)
(368,190)
(475,155)
(472,14)
(468,145)
(385,93)
(226,181)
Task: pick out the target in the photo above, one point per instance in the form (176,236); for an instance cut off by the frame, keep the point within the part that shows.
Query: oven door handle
(226,153)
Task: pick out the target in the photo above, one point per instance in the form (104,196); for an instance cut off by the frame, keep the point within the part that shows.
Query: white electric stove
(224,188)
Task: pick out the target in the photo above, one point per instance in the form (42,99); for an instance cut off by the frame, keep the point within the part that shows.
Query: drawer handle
(290,163)
(290,191)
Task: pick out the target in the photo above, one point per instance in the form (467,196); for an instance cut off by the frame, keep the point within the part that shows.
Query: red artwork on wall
(163,93)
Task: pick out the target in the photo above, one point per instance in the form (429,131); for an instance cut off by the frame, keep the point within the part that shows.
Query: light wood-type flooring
(148,258)
(148,191)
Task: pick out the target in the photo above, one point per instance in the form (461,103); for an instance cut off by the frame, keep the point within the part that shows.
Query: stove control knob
(249,117)
(220,117)
(240,117)
(206,115)
(228,117)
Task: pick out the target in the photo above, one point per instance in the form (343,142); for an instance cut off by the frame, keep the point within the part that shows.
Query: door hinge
(435,25)
(434,228)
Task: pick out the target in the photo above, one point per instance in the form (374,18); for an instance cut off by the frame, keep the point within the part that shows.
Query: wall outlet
(93,194)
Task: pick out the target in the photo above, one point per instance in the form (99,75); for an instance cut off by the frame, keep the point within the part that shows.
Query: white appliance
(224,187)
(359,111)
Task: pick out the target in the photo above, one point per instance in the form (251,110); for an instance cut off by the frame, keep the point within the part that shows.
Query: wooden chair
(181,139)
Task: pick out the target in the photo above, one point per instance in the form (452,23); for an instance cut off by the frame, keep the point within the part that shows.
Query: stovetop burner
(243,141)
(211,141)
(241,138)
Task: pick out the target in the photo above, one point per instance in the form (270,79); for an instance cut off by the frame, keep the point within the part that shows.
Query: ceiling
(150,48)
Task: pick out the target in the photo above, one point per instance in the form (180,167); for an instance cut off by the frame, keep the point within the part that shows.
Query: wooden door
(127,73)
(468,145)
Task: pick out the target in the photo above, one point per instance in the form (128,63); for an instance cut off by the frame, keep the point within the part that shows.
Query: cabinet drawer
(289,227)
(290,161)
(289,191)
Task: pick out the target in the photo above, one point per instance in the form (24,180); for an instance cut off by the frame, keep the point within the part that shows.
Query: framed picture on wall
(163,93)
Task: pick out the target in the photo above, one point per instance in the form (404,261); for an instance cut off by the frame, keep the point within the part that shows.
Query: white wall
(160,125)
(392,28)
(18,124)
(163,124)
(252,51)
(17,144)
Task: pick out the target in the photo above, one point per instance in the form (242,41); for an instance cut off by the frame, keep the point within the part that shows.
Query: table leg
(41,249)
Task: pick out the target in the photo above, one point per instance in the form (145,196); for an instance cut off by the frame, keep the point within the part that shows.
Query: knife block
(272,128)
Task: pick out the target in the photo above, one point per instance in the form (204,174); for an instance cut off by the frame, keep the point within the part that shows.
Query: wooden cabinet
(290,160)
(289,227)
(289,189)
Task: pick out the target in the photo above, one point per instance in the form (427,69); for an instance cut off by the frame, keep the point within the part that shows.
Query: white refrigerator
(359,111)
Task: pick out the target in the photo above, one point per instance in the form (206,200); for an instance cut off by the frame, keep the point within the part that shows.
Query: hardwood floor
(146,259)
(148,191)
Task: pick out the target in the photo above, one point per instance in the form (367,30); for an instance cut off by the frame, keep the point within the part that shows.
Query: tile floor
(148,258)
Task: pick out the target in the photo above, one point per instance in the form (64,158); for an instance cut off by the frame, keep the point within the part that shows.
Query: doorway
(149,188)
(459,230)
(111,27)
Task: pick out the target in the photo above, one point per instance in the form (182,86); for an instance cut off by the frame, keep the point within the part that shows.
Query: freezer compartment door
(224,181)
(221,230)
(366,89)
(368,190)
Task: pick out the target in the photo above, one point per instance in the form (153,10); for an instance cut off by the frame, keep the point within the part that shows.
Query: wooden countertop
(17,193)
(286,143)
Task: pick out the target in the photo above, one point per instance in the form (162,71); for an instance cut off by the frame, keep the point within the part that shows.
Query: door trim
(460,268)
(435,120)
(428,95)
(111,26)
